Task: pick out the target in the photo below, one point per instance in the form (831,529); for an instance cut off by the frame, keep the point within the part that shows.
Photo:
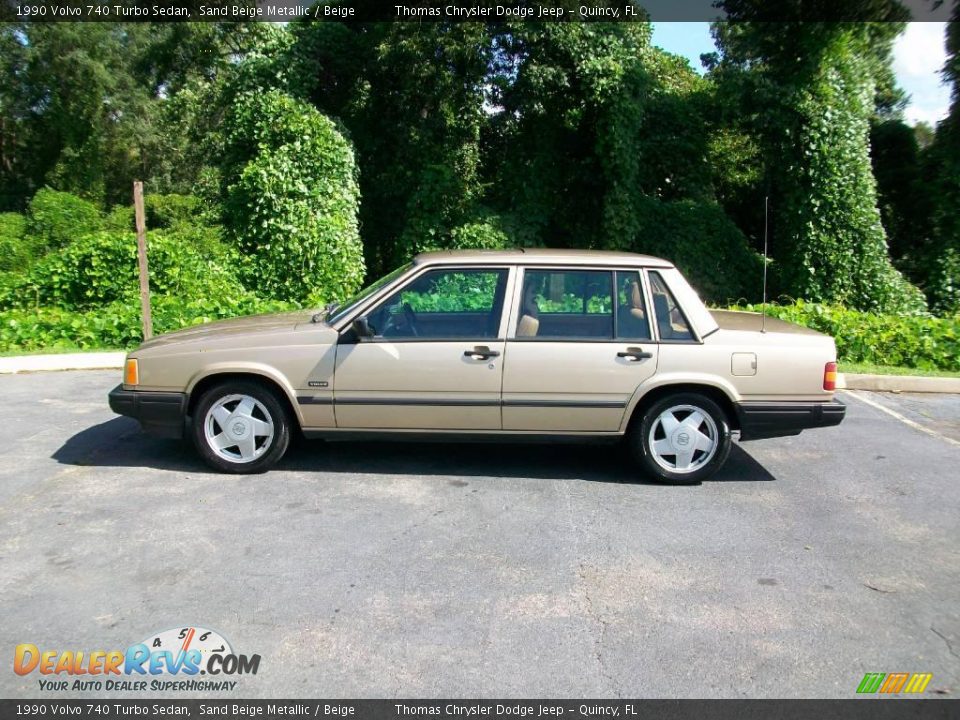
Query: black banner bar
(460,10)
(873,708)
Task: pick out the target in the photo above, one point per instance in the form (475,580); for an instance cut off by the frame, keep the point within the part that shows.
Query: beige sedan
(520,344)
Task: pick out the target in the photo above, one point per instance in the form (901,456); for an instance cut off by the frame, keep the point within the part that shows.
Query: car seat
(529,324)
(662,310)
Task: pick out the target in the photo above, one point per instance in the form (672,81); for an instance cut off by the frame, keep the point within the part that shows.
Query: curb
(70,361)
(898,383)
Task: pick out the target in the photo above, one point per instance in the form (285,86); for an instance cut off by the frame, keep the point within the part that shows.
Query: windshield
(344,308)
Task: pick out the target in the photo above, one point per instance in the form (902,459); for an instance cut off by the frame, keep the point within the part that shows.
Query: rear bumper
(760,420)
(159,413)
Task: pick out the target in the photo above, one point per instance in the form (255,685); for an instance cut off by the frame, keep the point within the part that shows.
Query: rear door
(436,359)
(578,346)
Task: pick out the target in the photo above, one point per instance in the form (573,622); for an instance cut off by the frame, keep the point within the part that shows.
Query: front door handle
(481,352)
(635,354)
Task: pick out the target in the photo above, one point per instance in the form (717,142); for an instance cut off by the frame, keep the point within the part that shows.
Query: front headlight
(131,372)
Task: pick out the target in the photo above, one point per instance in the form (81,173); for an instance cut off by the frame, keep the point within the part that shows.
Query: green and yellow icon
(892,683)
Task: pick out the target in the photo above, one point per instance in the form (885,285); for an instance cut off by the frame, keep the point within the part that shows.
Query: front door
(435,361)
(579,347)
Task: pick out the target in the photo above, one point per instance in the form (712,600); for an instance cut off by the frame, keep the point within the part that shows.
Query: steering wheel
(411,319)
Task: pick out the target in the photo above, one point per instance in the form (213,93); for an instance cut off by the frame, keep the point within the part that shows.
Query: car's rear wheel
(681,439)
(241,427)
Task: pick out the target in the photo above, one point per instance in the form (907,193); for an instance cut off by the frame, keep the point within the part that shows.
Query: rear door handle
(481,352)
(636,354)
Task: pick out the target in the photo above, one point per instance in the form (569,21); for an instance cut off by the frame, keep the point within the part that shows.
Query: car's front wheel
(681,439)
(240,427)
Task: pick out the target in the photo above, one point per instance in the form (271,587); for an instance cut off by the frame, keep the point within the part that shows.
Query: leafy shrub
(101,268)
(477,234)
(118,325)
(12,225)
(909,341)
(483,234)
(120,218)
(162,212)
(55,218)
(702,241)
(291,208)
(16,251)
(87,294)
(184,213)
(172,211)
(944,287)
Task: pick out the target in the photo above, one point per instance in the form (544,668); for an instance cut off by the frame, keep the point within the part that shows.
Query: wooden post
(142,259)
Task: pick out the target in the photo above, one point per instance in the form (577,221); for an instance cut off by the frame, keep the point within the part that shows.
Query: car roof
(535,256)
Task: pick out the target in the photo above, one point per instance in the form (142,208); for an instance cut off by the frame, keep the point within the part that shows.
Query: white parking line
(905,420)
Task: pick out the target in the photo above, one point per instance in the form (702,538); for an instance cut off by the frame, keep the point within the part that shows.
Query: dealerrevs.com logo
(180,659)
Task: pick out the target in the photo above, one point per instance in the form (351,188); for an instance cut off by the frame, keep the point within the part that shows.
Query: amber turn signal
(131,372)
(830,376)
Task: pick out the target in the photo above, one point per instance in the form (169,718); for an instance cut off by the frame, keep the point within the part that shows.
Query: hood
(232,326)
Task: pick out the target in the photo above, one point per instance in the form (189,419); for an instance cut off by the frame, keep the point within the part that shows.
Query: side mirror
(361,328)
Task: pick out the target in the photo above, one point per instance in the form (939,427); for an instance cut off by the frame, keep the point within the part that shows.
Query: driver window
(670,320)
(443,304)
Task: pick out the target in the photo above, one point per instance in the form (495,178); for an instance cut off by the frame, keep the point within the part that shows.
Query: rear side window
(670,319)
(563,304)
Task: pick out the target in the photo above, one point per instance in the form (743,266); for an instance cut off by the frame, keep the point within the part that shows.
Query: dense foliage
(290,161)
(101,268)
(944,285)
(291,199)
(907,341)
(85,293)
(15,253)
(55,218)
(116,325)
(723,269)
(561,135)
(86,106)
(411,97)
(809,91)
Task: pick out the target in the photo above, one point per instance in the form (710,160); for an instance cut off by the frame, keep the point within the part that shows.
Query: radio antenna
(766,225)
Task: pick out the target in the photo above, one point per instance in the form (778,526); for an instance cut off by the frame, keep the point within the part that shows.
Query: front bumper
(760,420)
(159,413)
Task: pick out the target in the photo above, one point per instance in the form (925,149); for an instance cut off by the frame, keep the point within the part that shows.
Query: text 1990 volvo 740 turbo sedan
(515,344)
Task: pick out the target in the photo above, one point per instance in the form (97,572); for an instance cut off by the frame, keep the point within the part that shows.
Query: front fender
(247,368)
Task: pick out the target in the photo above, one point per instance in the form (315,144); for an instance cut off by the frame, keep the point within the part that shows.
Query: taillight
(131,372)
(830,376)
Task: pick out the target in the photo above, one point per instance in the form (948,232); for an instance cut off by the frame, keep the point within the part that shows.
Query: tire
(247,412)
(660,440)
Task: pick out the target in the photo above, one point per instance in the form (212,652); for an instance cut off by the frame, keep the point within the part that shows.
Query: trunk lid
(753,322)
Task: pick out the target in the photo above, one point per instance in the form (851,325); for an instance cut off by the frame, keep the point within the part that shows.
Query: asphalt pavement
(437,570)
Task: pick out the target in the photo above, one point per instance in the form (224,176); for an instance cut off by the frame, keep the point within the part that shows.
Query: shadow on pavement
(120,443)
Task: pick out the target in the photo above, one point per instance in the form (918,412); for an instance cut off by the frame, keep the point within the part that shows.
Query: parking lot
(421,570)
